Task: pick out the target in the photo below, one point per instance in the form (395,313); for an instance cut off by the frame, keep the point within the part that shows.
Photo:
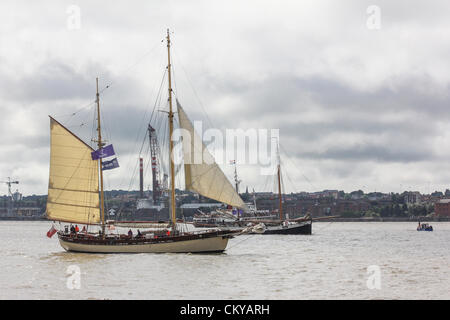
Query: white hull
(211,244)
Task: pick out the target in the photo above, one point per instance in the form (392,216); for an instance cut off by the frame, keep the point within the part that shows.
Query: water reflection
(77,257)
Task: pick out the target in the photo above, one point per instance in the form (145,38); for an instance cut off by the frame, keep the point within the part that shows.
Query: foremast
(171,115)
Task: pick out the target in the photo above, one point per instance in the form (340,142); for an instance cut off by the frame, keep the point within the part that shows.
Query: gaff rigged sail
(204,177)
(73,191)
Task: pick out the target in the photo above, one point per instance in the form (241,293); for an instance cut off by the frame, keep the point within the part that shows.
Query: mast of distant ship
(100,145)
(236,180)
(279,186)
(254,200)
(172,165)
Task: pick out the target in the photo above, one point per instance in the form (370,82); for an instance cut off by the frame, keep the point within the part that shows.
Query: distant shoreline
(388,219)
(23,219)
(323,219)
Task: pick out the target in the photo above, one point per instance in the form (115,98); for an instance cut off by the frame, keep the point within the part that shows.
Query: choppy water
(330,264)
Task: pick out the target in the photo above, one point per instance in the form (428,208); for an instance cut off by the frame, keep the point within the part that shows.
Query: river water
(347,260)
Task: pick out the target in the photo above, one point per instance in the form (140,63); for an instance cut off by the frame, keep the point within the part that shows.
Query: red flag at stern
(51,232)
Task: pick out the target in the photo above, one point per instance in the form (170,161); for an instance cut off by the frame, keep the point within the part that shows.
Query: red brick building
(442,208)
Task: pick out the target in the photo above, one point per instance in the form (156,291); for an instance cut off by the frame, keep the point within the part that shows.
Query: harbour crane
(155,153)
(9,183)
(10,195)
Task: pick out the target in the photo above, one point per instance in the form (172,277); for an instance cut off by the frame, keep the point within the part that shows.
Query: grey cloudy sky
(357,108)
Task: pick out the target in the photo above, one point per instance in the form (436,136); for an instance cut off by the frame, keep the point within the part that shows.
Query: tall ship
(271,224)
(76,193)
(285,225)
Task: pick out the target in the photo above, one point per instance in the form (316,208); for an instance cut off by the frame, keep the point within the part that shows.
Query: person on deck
(139,234)
(84,229)
(130,233)
(77,229)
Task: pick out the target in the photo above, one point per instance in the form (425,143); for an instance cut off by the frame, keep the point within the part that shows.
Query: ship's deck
(122,239)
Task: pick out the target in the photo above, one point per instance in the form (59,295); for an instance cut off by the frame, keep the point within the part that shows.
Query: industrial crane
(10,198)
(155,152)
(9,183)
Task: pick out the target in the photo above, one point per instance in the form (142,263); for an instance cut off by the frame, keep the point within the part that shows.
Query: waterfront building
(442,208)
(413,198)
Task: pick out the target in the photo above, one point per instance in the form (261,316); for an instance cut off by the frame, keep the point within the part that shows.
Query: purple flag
(103,152)
(111,164)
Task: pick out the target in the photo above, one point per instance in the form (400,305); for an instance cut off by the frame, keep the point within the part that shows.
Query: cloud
(353,105)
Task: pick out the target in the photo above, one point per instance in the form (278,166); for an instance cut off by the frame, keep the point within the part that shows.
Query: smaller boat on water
(225,221)
(424,227)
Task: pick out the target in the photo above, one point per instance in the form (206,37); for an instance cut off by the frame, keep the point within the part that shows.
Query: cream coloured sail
(202,174)
(73,181)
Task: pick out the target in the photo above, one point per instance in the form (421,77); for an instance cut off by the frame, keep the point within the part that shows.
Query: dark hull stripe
(303,229)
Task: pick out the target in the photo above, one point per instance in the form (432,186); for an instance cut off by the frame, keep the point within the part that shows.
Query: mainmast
(172,165)
(100,145)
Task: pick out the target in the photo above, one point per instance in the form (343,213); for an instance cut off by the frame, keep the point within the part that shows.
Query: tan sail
(73,180)
(202,174)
